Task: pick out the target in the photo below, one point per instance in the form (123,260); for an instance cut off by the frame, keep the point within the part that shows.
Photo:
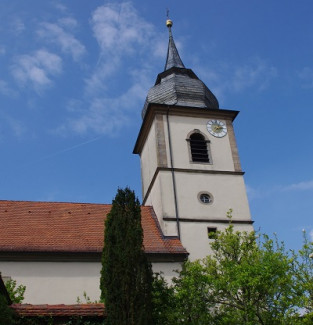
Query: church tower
(190,166)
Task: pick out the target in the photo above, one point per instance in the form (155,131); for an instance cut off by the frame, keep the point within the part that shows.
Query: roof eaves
(88,310)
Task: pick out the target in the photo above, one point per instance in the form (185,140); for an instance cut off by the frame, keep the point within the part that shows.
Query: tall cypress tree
(126,275)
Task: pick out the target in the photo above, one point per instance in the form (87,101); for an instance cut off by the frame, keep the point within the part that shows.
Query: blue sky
(74,75)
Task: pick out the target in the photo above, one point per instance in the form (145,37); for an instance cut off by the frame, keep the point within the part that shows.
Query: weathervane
(169,23)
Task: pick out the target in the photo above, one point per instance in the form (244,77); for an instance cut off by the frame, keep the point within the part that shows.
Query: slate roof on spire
(178,86)
(173,59)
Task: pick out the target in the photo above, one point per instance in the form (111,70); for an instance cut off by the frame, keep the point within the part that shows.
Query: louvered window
(199,148)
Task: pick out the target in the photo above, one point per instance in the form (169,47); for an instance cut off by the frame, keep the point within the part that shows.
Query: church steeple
(173,59)
(177,85)
(191,173)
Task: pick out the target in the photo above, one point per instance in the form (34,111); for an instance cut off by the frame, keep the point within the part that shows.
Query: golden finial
(169,23)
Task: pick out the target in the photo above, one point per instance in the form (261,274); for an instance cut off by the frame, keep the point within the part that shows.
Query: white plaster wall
(194,237)
(180,127)
(148,159)
(63,282)
(161,198)
(168,270)
(55,282)
(228,192)
(168,154)
(155,199)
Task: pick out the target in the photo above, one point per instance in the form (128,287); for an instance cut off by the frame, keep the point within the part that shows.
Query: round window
(205,198)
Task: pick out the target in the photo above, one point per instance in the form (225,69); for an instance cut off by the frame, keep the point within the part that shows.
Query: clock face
(217,128)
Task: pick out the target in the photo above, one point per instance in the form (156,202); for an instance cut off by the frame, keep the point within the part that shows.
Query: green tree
(194,303)
(164,302)
(126,275)
(246,280)
(251,282)
(16,292)
(6,313)
(304,278)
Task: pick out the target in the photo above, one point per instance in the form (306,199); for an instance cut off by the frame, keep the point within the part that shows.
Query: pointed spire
(173,59)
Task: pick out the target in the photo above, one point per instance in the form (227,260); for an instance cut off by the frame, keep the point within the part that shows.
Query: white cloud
(59,6)
(311,234)
(126,51)
(260,193)
(160,47)
(121,34)
(302,186)
(37,68)
(96,83)
(252,192)
(256,74)
(57,34)
(106,115)
(17,26)
(103,116)
(234,78)
(128,41)
(68,22)
(6,90)
(119,29)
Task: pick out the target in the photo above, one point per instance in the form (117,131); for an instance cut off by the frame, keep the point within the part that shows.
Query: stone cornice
(186,170)
(208,220)
(155,109)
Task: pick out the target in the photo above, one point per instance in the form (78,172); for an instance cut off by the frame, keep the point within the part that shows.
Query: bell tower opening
(198,148)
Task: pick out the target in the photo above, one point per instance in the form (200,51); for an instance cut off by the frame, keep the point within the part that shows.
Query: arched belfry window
(199,148)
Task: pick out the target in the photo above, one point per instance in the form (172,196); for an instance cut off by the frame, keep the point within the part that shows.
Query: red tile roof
(27,226)
(88,310)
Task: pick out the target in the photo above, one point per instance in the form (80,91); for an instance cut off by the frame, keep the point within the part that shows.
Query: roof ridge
(57,202)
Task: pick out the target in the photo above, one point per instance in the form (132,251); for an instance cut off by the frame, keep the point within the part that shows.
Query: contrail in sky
(68,149)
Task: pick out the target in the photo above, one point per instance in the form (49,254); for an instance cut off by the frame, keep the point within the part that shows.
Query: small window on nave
(212,232)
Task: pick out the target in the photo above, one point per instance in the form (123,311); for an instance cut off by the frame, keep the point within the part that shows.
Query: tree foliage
(16,292)
(6,313)
(126,276)
(250,282)
(304,278)
(247,279)
(164,302)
